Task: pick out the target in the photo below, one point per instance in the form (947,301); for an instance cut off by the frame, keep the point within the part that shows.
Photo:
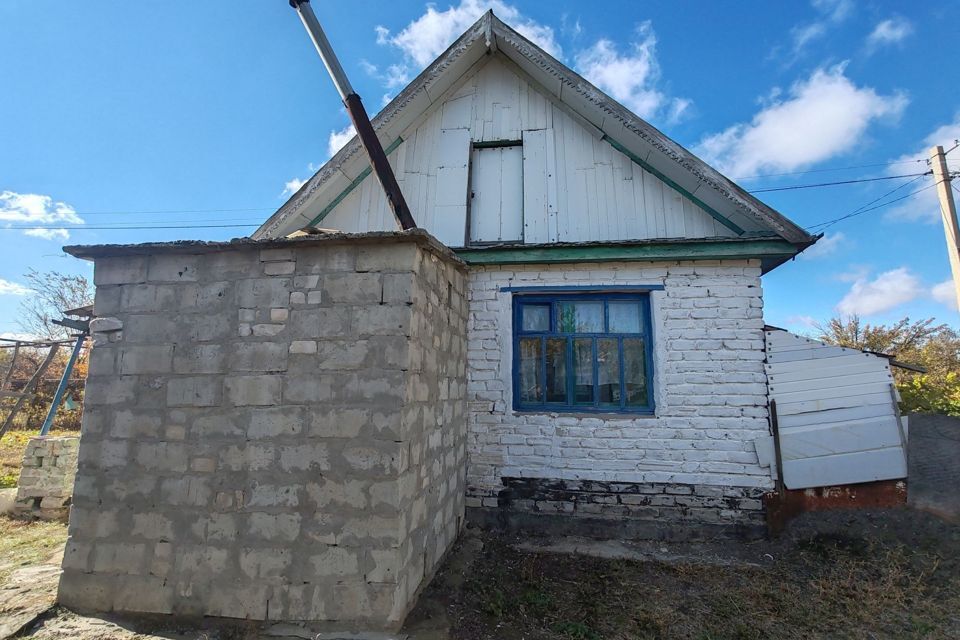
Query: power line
(850,168)
(82,227)
(833,184)
(866,208)
(166,211)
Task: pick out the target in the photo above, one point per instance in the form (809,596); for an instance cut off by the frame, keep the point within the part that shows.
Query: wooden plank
(792,374)
(832,392)
(29,388)
(811,354)
(485,195)
(829,417)
(818,364)
(825,404)
(845,437)
(536,224)
(457,112)
(673,185)
(511,194)
(846,468)
(614,252)
(552,190)
(810,384)
(800,346)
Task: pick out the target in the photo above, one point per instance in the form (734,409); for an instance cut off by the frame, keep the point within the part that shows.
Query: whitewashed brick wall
(710,386)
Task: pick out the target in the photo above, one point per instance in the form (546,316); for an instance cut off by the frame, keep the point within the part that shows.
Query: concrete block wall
(693,463)
(46,476)
(270,433)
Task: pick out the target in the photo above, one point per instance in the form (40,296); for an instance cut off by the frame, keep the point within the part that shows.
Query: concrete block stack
(272,431)
(46,478)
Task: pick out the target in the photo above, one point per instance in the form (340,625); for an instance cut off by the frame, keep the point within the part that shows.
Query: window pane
(634,373)
(531,384)
(624,317)
(580,317)
(536,317)
(557,370)
(583,371)
(608,371)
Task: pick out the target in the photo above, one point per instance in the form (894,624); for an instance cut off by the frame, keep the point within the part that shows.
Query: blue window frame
(584,352)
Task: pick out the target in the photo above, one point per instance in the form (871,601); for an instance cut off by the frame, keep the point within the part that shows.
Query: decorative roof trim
(495,34)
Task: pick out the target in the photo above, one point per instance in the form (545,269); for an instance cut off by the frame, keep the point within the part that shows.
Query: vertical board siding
(835,414)
(577,187)
(496,200)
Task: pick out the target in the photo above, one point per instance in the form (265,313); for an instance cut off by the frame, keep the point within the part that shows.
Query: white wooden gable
(591,169)
(575,186)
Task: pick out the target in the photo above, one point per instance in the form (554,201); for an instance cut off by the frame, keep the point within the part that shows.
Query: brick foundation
(621,509)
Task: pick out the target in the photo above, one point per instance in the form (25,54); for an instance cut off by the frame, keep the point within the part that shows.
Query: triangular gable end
(494,85)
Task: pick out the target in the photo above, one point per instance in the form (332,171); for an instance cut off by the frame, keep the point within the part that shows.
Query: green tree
(933,347)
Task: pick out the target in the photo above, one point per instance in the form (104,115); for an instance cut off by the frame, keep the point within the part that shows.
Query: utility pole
(378,159)
(948,210)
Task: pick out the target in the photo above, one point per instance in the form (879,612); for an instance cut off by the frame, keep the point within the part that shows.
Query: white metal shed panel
(836,415)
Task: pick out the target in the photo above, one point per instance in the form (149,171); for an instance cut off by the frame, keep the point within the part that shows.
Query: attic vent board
(496,194)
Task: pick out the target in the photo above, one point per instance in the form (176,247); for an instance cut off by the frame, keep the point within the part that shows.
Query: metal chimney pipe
(361,121)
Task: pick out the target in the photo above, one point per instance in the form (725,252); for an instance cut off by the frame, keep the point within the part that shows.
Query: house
(615,340)
(295,428)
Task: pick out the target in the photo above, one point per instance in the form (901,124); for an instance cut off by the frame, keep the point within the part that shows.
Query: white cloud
(807,322)
(888,290)
(31,209)
(853,273)
(291,187)
(945,294)
(335,142)
(395,76)
(924,205)
(631,77)
(428,36)
(887,32)
(832,13)
(821,117)
(340,138)
(827,245)
(8,288)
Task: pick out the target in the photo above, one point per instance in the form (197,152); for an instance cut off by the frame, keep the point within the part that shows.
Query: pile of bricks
(46,479)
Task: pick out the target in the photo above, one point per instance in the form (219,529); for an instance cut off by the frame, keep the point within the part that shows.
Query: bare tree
(900,339)
(51,294)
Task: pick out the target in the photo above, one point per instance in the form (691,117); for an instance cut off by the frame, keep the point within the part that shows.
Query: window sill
(585,414)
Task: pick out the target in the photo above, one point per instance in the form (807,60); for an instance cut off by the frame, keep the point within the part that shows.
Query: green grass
(25,542)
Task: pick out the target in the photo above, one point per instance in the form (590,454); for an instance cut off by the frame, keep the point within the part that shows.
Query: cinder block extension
(46,477)
(272,431)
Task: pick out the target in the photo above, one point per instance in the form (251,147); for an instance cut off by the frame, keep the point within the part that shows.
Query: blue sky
(181,113)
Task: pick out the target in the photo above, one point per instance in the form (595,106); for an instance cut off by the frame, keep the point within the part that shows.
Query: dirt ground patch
(881,574)
(25,543)
(857,575)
